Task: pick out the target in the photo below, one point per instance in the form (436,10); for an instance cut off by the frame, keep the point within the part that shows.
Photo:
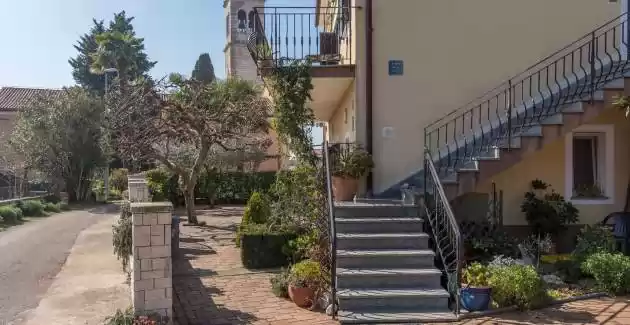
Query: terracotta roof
(13,98)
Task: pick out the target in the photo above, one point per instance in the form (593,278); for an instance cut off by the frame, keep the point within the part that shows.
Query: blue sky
(38,35)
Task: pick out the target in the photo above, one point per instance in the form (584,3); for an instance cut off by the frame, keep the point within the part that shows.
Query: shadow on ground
(193,301)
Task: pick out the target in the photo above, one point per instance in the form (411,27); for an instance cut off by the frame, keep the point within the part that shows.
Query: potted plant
(304,280)
(348,166)
(476,295)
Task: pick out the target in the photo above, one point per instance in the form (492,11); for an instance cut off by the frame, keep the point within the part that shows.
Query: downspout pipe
(368,89)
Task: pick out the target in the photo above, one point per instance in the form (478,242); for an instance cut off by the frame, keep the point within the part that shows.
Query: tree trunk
(189,197)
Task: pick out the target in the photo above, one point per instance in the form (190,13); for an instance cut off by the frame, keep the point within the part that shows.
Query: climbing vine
(293,119)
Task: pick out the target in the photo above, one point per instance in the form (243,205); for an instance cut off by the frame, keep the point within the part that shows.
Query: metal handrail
(444,228)
(333,231)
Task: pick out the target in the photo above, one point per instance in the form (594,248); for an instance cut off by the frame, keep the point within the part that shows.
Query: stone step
(388,278)
(373,298)
(374,210)
(394,316)
(416,240)
(378,225)
(383,258)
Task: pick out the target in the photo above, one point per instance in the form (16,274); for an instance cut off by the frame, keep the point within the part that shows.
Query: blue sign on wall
(395,67)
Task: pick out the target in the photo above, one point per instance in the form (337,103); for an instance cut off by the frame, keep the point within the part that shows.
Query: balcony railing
(281,35)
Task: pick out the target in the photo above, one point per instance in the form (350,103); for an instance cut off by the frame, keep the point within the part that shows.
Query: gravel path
(33,253)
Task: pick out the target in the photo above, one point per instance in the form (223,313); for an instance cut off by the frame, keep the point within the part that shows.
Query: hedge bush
(51,207)
(32,208)
(10,214)
(611,271)
(518,285)
(256,212)
(262,248)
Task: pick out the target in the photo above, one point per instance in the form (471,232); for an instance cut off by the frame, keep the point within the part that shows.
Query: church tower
(239,23)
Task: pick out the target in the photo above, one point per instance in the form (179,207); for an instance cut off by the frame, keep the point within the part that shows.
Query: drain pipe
(368,89)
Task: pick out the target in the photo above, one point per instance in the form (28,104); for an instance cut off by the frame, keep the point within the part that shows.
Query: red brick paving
(212,287)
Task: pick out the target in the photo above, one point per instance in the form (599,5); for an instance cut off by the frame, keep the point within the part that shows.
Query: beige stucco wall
(453,52)
(7,123)
(340,128)
(515,181)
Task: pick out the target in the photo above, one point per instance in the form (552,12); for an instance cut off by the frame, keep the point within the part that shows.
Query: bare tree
(181,122)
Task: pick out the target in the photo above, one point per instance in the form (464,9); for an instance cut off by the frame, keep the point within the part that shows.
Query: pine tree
(204,71)
(82,62)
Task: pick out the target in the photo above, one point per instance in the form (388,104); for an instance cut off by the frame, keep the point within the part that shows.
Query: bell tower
(239,23)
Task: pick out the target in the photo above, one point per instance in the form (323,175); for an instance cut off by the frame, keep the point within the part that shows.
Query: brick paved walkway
(212,287)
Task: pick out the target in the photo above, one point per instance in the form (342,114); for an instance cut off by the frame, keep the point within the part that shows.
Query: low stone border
(477,314)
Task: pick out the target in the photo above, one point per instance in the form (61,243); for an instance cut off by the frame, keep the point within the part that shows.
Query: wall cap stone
(142,207)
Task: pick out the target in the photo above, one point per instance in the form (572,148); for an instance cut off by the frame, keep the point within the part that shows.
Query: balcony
(322,35)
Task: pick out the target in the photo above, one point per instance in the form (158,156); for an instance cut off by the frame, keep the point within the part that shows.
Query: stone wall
(151,279)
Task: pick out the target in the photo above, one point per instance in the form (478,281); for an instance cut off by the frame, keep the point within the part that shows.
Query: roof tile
(14,98)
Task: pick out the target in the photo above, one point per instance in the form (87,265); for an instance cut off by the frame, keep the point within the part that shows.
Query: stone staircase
(385,268)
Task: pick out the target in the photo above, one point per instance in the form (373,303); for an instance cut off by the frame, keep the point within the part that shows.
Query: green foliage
(18,212)
(122,236)
(306,273)
(280,284)
(547,211)
(593,239)
(64,206)
(298,194)
(299,248)
(204,70)
(518,285)
(257,209)
(32,208)
(476,275)
(611,271)
(157,181)
(293,118)
(9,214)
(51,198)
(353,163)
(488,245)
(127,317)
(61,135)
(262,248)
(118,179)
(51,207)
(233,187)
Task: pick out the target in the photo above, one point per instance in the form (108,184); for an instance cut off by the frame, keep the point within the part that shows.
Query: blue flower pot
(475,299)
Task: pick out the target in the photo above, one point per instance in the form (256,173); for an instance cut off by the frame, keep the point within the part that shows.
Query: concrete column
(151,280)
(138,189)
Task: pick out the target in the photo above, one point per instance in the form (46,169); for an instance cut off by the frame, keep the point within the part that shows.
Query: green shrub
(157,181)
(8,214)
(262,248)
(476,275)
(280,284)
(518,285)
(546,210)
(299,248)
(593,239)
(54,199)
(118,179)
(32,208)
(307,273)
(256,212)
(18,212)
(50,207)
(122,236)
(611,271)
(64,206)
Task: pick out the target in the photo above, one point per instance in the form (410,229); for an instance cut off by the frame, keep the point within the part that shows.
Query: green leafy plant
(476,275)
(256,212)
(353,163)
(32,208)
(518,285)
(262,247)
(593,239)
(306,273)
(51,207)
(157,181)
(64,206)
(128,317)
(122,236)
(547,211)
(118,179)
(299,248)
(280,284)
(9,214)
(610,271)
(51,198)
(588,191)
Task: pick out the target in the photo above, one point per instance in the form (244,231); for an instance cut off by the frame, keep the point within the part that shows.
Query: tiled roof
(13,98)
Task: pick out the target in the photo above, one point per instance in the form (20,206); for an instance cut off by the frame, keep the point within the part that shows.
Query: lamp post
(106,180)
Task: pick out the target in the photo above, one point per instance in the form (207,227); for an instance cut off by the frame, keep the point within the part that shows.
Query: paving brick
(144,252)
(157,240)
(165,218)
(160,251)
(141,285)
(150,219)
(157,230)
(137,219)
(141,236)
(158,304)
(145,265)
(151,275)
(163,283)
(155,294)
(159,263)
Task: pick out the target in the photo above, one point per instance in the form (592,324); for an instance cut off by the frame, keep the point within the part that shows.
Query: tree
(113,47)
(204,70)
(180,122)
(60,135)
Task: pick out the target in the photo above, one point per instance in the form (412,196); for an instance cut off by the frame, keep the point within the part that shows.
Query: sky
(38,35)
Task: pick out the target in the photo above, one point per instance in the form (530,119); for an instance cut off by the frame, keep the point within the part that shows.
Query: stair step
(421,298)
(417,240)
(384,258)
(379,225)
(388,278)
(391,316)
(371,209)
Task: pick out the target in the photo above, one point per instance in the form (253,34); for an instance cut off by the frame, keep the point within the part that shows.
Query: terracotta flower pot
(301,296)
(344,188)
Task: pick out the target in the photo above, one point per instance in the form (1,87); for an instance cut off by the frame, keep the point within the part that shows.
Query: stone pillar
(138,189)
(151,280)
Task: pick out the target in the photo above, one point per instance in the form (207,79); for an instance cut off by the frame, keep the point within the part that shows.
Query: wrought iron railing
(282,35)
(338,152)
(332,228)
(444,229)
(493,120)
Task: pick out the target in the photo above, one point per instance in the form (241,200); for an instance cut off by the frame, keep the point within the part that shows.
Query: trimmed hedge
(261,249)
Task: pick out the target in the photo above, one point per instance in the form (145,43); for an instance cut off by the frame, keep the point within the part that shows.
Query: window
(227,25)
(345,115)
(590,165)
